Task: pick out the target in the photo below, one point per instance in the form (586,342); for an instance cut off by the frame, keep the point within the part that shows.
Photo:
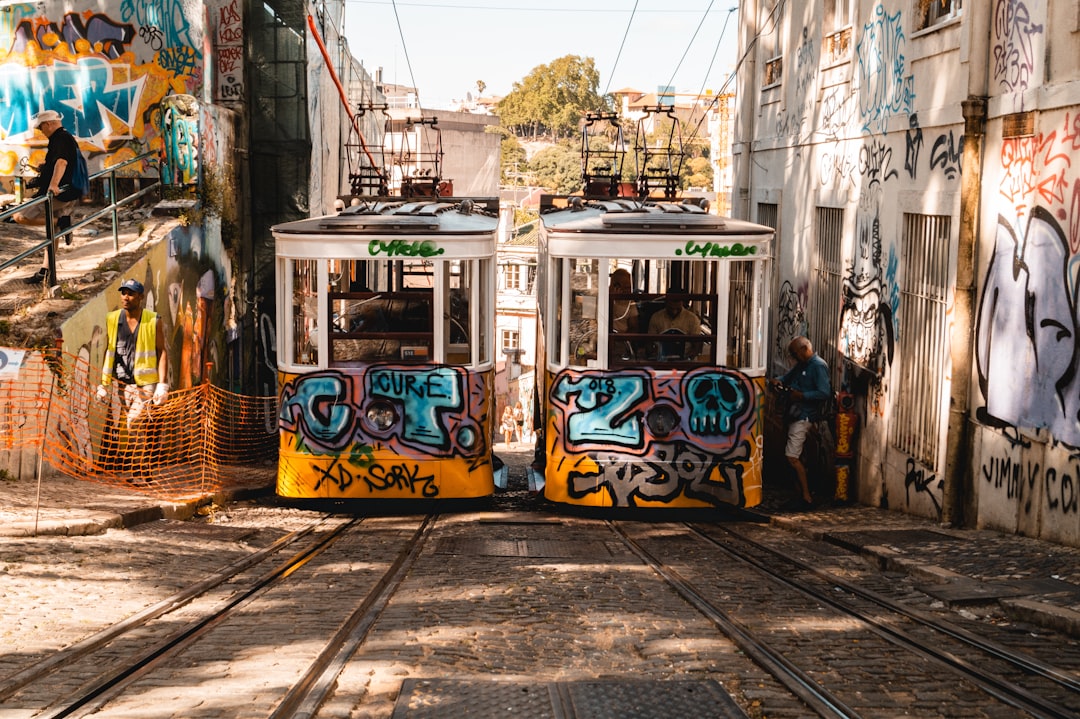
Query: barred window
(923,341)
(826,290)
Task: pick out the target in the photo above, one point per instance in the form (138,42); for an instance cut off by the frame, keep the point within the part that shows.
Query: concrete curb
(100,522)
(1039,613)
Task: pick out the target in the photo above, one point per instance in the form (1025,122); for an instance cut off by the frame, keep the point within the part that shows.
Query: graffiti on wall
(1027,327)
(790,317)
(1014,50)
(1020,479)
(866,320)
(1038,170)
(229,52)
(180,128)
(885,91)
(106,76)
(636,436)
(1028,323)
(806,65)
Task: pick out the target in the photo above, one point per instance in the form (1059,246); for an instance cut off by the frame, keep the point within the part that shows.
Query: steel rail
(798,682)
(998,687)
(112,683)
(94,642)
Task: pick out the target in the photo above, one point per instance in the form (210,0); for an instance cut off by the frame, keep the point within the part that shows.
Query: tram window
(676,318)
(482,284)
(623,313)
(305,330)
(584,284)
(390,321)
(741,328)
(555,309)
(459,312)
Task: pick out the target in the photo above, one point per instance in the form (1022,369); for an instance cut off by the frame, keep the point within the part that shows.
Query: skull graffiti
(716,401)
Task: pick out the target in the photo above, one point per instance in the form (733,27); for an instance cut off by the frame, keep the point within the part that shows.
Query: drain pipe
(958,500)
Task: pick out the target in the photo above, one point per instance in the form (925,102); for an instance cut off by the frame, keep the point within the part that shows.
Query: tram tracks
(104,668)
(1017,680)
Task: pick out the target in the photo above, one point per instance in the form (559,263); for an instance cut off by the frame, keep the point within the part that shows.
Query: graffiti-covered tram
(652,344)
(385,351)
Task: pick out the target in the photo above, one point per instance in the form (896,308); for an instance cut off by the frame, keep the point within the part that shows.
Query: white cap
(45,116)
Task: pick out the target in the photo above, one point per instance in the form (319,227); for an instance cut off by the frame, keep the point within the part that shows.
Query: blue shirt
(812,379)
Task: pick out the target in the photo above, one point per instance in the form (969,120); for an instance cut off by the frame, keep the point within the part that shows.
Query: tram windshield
(385,310)
(623,312)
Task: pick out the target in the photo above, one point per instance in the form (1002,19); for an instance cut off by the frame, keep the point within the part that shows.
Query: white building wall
(877,133)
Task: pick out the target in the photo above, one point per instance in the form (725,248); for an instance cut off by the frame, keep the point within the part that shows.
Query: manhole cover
(422,698)
(651,700)
(527,548)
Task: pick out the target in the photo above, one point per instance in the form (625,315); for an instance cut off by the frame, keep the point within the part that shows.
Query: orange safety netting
(199,440)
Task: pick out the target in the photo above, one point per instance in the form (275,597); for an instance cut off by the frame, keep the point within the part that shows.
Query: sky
(450,45)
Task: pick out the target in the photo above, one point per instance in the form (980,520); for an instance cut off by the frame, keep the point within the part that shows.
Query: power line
(546,9)
(405,49)
(691,43)
(621,45)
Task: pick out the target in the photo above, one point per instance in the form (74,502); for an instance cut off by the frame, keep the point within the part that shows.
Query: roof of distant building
(528,237)
(522,196)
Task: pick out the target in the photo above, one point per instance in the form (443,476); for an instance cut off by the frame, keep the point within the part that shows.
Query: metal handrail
(51,236)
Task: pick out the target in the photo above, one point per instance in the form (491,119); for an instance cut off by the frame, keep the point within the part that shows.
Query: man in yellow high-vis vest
(135,356)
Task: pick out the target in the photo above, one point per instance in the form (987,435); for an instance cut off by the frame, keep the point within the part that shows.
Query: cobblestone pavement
(74,557)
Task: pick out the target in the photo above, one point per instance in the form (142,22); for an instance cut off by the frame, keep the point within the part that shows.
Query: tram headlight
(380,416)
(662,420)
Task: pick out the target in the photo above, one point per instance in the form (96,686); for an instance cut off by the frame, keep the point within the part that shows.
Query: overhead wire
(691,42)
(405,50)
(773,16)
(708,71)
(622,44)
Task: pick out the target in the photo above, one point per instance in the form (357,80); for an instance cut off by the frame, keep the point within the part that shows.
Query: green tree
(697,172)
(552,99)
(557,168)
(513,160)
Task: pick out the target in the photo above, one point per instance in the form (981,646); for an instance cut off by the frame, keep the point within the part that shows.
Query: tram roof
(400,216)
(462,227)
(654,228)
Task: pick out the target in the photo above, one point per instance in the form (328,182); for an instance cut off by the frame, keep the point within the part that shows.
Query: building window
(837,15)
(916,425)
(771,47)
(513,277)
(826,290)
(510,339)
(836,40)
(934,12)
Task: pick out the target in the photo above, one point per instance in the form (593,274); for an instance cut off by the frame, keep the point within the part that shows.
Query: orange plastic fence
(200,440)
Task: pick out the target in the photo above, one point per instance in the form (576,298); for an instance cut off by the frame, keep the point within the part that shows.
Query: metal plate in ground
(611,699)
(971,591)
(822,549)
(650,700)
(890,537)
(441,698)
(525,548)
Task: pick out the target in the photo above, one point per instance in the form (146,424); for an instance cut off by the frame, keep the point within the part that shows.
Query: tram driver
(675,318)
